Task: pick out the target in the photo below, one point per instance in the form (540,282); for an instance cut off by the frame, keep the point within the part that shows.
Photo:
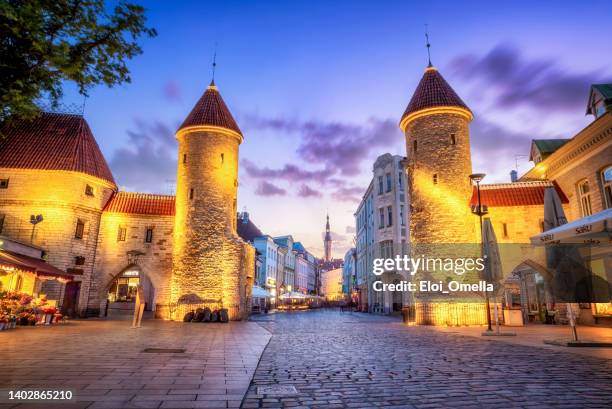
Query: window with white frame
(606,182)
(584,196)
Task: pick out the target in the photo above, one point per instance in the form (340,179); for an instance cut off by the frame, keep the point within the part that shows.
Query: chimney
(513,176)
(245,217)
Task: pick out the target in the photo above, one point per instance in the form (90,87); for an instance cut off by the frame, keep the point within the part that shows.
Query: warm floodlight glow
(465,113)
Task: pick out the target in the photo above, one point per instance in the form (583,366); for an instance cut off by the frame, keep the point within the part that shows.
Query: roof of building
(604,89)
(433,91)
(211,110)
(515,194)
(299,247)
(53,141)
(247,230)
(548,146)
(141,203)
(606,92)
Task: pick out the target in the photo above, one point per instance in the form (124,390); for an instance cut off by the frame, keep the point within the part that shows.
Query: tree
(46,42)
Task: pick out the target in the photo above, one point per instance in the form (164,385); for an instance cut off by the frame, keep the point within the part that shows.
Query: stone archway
(120,292)
(527,286)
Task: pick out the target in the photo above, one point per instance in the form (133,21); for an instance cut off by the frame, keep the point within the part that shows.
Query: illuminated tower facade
(328,242)
(212,266)
(436,126)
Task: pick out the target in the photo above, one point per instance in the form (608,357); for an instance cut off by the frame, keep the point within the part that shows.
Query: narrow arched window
(606,184)
(435,178)
(453,139)
(584,195)
(222,158)
(191,194)
(414,146)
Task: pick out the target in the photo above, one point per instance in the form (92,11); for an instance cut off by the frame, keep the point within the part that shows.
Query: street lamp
(481,210)
(35,220)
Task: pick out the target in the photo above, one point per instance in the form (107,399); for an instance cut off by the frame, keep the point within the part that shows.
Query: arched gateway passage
(121,293)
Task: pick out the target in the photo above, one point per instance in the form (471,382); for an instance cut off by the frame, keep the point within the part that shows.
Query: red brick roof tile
(211,110)
(433,91)
(53,141)
(515,194)
(141,203)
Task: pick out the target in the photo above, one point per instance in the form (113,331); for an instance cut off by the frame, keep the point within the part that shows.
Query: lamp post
(480,210)
(34,220)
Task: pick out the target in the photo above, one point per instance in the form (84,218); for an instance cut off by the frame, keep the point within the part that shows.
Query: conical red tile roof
(53,141)
(433,91)
(211,110)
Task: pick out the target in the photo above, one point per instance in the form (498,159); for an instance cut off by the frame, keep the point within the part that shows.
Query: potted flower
(57,317)
(23,318)
(32,319)
(48,314)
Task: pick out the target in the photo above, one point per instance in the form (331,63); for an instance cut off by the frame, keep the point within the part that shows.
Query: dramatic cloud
(148,162)
(172,91)
(516,81)
(496,150)
(340,148)
(289,172)
(348,194)
(306,191)
(268,189)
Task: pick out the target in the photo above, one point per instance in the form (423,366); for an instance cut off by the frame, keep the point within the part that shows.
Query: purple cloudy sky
(318,88)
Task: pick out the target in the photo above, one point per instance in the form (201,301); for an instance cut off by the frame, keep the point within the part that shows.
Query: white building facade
(381,222)
(269,262)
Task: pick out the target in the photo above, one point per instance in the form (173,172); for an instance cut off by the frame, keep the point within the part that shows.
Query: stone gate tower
(212,266)
(436,125)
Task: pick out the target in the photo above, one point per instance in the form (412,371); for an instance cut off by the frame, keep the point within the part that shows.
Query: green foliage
(46,42)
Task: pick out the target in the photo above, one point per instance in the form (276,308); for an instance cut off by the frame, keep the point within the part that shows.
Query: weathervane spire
(214,65)
(428,45)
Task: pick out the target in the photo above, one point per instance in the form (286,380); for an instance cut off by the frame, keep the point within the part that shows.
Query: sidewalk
(535,334)
(105,363)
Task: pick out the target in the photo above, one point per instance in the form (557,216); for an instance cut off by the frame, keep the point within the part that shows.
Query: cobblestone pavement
(104,364)
(355,360)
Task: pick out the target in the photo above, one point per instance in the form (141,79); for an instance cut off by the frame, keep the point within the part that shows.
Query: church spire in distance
(328,241)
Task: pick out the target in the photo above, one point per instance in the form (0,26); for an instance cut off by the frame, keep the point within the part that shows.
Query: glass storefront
(125,286)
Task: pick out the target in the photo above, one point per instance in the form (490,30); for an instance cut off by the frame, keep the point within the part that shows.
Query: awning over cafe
(12,261)
(259,292)
(293,295)
(585,230)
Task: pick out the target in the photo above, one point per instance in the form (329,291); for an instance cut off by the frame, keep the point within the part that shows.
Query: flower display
(23,309)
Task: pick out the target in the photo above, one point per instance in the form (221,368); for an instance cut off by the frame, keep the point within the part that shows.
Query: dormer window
(4,183)
(600,100)
(89,191)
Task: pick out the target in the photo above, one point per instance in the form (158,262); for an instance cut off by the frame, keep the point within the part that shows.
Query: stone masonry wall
(439,212)
(209,265)
(111,258)
(59,196)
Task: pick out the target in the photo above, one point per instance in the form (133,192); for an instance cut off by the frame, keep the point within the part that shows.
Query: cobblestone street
(338,360)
